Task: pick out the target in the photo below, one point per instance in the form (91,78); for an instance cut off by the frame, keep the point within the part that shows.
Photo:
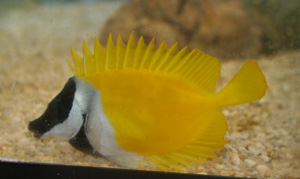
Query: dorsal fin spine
(120,53)
(182,62)
(167,57)
(173,62)
(148,55)
(157,55)
(194,66)
(110,54)
(89,61)
(141,47)
(129,53)
(72,67)
(99,56)
(78,63)
(84,56)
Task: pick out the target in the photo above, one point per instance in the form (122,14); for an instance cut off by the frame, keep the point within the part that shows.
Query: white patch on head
(70,127)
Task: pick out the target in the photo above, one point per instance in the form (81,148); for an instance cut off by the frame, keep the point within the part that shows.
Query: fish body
(130,102)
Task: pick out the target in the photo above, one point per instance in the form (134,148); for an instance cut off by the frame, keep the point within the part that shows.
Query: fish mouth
(37,135)
(34,127)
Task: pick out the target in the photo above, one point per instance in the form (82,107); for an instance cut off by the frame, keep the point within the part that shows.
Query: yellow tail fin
(249,84)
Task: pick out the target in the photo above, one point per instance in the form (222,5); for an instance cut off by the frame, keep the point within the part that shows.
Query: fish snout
(36,126)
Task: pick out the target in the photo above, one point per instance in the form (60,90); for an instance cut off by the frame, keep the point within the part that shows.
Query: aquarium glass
(263,136)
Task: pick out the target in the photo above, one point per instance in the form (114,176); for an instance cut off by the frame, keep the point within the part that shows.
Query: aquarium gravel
(263,137)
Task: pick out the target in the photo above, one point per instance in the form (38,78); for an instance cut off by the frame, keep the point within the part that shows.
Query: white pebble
(214,171)
(266,158)
(259,145)
(16,119)
(254,151)
(235,159)
(219,166)
(262,169)
(229,147)
(250,163)
(245,136)
(241,149)
(239,174)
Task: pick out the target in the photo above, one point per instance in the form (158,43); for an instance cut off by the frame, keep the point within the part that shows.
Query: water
(263,136)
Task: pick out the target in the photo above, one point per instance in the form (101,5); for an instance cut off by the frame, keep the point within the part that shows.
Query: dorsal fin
(194,66)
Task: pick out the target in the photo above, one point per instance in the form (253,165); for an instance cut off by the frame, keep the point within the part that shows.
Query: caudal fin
(249,84)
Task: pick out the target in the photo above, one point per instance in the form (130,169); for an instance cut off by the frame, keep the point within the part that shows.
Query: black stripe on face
(57,111)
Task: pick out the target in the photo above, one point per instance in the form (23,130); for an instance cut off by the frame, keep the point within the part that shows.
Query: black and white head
(66,114)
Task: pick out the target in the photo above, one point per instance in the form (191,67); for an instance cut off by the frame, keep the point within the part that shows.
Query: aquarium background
(263,136)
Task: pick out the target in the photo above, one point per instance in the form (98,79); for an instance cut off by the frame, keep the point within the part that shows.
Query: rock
(239,174)
(214,171)
(259,145)
(266,158)
(227,173)
(235,159)
(200,168)
(249,163)
(219,166)
(212,26)
(254,151)
(245,136)
(241,149)
(229,147)
(261,169)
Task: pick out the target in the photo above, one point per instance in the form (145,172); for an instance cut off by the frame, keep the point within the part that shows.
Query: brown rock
(222,29)
(227,31)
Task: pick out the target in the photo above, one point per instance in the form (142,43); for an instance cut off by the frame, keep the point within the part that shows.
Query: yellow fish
(131,102)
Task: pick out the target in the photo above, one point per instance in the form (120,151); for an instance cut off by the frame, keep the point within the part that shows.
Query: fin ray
(167,57)
(78,63)
(141,47)
(194,66)
(249,84)
(110,54)
(120,53)
(157,55)
(129,54)
(100,56)
(89,61)
(148,55)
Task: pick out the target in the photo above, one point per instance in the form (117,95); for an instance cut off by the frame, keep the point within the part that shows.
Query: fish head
(64,115)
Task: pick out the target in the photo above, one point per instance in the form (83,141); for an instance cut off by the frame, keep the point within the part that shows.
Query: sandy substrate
(263,137)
